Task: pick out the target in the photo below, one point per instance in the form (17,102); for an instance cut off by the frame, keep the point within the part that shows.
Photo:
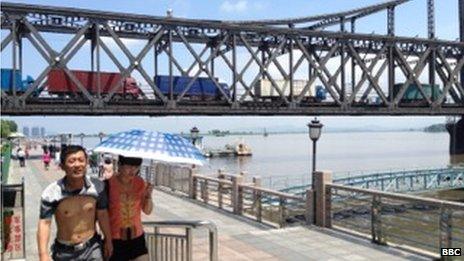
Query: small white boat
(241,148)
(237,149)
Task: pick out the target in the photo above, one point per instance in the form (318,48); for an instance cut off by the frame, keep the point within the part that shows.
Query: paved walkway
(239,238)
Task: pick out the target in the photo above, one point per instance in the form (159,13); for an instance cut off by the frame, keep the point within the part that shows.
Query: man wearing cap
(77,202)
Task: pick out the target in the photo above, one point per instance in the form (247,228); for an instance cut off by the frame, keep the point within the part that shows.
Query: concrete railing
(249,199)
(231,193)
(421,224)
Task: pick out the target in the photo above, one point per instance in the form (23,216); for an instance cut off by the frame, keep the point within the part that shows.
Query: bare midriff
(75,219)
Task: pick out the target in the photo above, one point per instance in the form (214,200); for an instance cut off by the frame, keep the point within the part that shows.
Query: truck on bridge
(265,90)
(413,96)
(202,88)
(20,83)
(59,83)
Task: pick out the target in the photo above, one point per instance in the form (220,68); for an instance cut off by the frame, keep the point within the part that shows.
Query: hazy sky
(410,20)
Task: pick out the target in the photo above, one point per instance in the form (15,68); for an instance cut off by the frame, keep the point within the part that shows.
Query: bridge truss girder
(324,56)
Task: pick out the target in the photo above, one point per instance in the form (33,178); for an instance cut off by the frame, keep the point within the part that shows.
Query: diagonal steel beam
(36,34)
(239,77)
(6,41)
(190,68)
(62,65)
(364,77)
(455,75)
(448,81)
(264,67)
(410,74)
(202,66)
(278,65)
(111,56)
(165,49)
(42,52)
(324,69)
(448,69)
(134,62)
(376,78)
(373,63)
(368,72)
(318,73)
(53,59)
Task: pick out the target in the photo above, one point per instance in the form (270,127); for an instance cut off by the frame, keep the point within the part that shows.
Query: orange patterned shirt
(125,208)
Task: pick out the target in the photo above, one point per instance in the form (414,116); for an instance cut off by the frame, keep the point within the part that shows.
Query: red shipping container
(60,83)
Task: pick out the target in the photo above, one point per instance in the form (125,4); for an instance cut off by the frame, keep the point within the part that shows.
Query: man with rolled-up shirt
(77,202)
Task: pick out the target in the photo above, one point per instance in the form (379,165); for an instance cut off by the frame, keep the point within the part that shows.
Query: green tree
(13,126)
(7,127)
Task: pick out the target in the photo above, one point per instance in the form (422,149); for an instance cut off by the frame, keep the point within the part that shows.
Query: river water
(353,152)
(284,159)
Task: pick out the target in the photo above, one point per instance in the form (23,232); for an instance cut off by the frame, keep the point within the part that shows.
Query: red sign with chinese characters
(13,224)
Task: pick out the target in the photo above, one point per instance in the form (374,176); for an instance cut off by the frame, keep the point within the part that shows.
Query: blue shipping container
(201,87)
(7,79)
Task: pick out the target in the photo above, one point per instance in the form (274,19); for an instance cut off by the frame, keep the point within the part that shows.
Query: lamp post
(194,134)
(315,128)
(101,135)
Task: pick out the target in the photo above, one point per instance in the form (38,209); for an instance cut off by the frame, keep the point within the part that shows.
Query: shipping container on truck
(21,84)
(264,89)
(59,83)
(413,96)
(203,88)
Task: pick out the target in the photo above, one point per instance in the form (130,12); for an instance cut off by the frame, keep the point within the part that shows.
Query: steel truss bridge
(399,181)
(349,65)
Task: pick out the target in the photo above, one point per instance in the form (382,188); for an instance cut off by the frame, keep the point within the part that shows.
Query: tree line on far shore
(436,128)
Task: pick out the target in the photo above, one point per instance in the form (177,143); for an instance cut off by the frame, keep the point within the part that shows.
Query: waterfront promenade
(238,237)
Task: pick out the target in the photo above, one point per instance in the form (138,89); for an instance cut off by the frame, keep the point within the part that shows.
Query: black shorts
(124,250)
(89,250)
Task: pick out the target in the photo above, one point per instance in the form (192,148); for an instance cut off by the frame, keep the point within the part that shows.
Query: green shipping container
(413,94)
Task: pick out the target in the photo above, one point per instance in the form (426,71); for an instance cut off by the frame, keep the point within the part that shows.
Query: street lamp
(315,128)
(101,135)
(194,134)
(82,135)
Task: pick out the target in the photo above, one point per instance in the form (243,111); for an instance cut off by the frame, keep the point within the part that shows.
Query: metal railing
(415,222)
(173,240)
(397,181)
(274,206)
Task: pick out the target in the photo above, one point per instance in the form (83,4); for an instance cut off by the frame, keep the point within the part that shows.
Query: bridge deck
(239,238)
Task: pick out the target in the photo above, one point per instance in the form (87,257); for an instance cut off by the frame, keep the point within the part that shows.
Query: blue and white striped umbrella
(152,145)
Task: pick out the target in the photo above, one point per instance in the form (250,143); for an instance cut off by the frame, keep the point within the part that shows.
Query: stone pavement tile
(294,256)
(354,257)
(231,254)
(258,255)
(271,259)
(276,250)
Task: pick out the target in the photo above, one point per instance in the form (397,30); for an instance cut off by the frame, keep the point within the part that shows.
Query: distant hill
(435,128)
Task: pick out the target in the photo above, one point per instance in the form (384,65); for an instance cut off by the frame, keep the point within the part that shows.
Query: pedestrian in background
(21,157)
(46,158)
(107,168)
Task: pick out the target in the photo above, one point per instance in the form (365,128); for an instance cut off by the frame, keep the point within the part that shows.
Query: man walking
(77,202)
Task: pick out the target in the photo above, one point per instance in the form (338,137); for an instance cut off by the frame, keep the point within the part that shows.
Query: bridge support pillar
(456,148)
